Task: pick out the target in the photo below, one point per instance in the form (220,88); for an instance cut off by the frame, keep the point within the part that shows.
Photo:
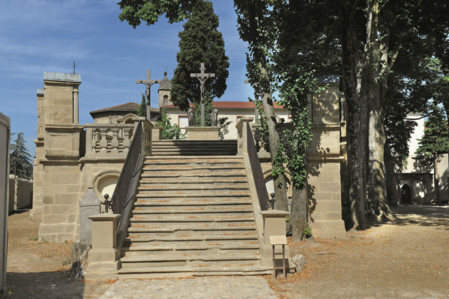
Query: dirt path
(408,258)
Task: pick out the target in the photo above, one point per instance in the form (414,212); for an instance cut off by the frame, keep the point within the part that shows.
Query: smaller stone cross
(148,82)
(202,76)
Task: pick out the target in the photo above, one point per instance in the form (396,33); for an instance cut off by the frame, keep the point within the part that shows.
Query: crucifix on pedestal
(202,76)
(148,82)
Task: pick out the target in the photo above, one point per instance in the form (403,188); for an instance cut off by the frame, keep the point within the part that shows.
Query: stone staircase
(193,216)
(194,148)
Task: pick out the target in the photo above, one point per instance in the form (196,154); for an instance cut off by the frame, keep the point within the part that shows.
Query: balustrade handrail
(256,169)
(126,189)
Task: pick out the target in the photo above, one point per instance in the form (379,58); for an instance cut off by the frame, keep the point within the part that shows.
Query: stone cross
(148,82)
(202,76)
(256,111)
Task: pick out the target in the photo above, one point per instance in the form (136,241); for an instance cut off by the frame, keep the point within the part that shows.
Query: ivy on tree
(20,159)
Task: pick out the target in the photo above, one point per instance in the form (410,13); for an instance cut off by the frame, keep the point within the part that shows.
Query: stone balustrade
(108,140)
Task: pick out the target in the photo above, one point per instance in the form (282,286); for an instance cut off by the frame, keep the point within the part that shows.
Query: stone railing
(108,140)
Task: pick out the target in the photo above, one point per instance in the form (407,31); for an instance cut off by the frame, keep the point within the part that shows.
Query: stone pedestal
(103,258)
(156,134)
(202,133)
(274,224)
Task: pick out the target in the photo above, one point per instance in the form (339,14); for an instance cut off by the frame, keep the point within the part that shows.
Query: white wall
(231,114)
(413,143)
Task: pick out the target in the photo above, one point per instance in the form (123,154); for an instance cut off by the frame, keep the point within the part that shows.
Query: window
(165,100)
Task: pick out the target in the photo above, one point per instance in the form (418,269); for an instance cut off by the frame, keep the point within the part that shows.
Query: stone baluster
(126,139)
(103,141)
(114,141)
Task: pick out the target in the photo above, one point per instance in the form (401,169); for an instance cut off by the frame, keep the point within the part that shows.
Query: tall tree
(200,42)
(20,158)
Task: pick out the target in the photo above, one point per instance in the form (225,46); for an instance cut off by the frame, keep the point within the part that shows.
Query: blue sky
(38,36)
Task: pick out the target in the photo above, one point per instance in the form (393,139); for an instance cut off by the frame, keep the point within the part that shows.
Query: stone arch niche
(406,194)
(269,184)
(105,182)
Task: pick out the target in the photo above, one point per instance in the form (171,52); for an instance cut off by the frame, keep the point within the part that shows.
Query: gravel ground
(406,258)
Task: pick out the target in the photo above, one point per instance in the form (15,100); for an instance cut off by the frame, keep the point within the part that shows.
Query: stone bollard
(103,257)
(273,225)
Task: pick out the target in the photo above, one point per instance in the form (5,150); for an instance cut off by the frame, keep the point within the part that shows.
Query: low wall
(20,193)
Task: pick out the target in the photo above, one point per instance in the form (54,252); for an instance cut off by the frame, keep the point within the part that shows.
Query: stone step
(197,167)
(193,159)
(197,270)
(194,180)
(209,227)
(190,210)
(190,247)
(192,174)
(191,193)
(228,217)
(199,186)
(185,257)
(191,235)
(150,201)
(190,238)
(168,260)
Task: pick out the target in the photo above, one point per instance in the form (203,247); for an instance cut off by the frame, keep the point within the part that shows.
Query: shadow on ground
(56,284)
(424,215)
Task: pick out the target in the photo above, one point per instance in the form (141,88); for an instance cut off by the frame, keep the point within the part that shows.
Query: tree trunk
(377,191)
(435,180)
(280,188)
(390,177)
(356,128)
(299,212)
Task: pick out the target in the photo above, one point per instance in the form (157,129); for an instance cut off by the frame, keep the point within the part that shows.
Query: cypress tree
(200,42)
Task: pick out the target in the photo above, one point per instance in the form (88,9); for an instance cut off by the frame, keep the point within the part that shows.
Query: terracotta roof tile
(131,106)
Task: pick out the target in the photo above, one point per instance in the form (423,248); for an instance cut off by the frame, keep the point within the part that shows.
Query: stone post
(103,258)
(273,225)
(76,115)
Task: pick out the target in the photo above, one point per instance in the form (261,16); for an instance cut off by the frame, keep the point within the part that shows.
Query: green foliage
(223,123)
(169,131)
(20,159)
(135,11)
(142,109)
(200,42)
(308,231)
(435,141)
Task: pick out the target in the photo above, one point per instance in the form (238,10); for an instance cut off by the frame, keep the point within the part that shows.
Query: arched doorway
(406,194)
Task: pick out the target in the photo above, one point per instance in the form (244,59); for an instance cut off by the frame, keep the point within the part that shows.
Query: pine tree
(20,164)
(434,143)
(200,42)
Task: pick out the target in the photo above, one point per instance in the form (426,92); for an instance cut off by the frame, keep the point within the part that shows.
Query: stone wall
(4,186)
(20,193)
(63,167)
